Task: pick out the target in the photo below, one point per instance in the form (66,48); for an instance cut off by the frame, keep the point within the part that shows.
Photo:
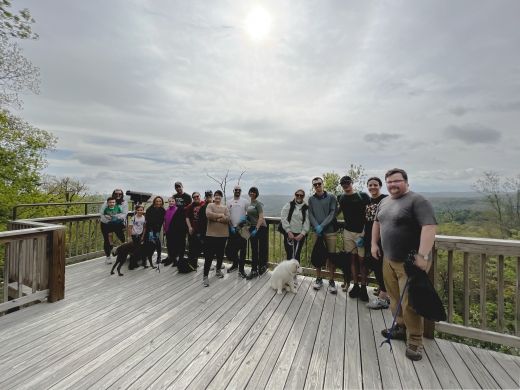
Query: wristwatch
(425,257)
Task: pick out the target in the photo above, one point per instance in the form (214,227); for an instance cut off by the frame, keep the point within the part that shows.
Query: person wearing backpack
(294,225)
(353,205)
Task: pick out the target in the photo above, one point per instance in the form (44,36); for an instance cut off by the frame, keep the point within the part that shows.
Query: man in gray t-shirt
(405,221)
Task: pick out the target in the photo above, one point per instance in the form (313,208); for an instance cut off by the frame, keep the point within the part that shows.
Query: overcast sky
(144,93)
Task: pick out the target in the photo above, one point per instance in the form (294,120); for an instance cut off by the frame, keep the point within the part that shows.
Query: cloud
(381,138)
(473,134)
(488,107)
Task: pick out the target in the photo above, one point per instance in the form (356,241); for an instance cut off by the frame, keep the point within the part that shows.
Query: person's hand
(376,254)
(243,219)
(360,242)
(253,233)
(150,236)
(191,230)
(318,229)
(290,235)
(298,237)
(420,263)
(232,229)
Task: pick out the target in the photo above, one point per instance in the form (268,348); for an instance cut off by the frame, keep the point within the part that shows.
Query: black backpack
(292,206)
(184,266)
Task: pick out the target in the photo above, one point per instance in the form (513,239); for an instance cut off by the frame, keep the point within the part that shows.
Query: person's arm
(226,218)
(210,214)
(306,225)
(332,212)
(144,231)
(260,220)
(427,240)
(286,225)
(312,218)
(124,210)
(376,232)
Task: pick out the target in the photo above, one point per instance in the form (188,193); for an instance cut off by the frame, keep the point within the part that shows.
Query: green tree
(15,25)
(23,151)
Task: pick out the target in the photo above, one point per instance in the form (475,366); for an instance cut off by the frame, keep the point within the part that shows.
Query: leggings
(236,244)
(213,246)
(107,228)
(259,245)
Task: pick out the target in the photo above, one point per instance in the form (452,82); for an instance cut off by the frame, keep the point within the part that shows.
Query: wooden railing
(34,263)
(463,271)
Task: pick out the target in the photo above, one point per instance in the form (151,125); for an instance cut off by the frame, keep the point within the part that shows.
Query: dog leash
(290,241)
(395,317)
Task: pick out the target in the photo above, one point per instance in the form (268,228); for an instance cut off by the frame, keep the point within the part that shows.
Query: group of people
(378,234)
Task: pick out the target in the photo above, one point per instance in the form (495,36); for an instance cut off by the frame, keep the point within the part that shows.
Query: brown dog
(122,252)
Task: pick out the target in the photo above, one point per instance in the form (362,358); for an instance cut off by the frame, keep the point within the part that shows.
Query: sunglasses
(238,190)
(346,183)
(299,195)
(118,193)
(317,184)
(196,197)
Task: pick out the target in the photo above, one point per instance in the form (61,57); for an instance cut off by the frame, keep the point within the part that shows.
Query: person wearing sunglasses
(322,210)
(259,239)
(295,225)
(178,229)
(236,244)
(353,204)
(110,227)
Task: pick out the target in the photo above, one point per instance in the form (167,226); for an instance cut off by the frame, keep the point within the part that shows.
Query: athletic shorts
(350,243)
(331,240)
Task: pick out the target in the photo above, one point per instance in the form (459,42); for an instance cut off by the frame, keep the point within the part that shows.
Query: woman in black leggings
(374,185)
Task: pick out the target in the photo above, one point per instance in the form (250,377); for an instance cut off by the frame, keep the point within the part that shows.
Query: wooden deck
(165,330)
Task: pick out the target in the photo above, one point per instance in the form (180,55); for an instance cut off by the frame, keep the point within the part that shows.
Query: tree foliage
(14,25)
(23,152)
(65,189)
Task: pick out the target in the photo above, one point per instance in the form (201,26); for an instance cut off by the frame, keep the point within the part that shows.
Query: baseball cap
(208,193)
(345,180)
(178,184)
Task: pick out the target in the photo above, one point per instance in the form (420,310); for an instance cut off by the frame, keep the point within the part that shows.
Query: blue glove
(253,233)
(150,236)
(360,242)
(156,236)
(243,220)
(198,235)
(232,229)
(318,229)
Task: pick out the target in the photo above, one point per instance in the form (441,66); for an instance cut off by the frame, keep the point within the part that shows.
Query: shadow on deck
(165,330)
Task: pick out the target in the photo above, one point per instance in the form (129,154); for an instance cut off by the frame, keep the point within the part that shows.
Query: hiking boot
(219,273)
(262,270)
(205,281)
(332,287)
(241,274)
(354,293)
(108,260)
(318,284)
(399,332)
(252,275)
(378,304)
(414,352)
(363,294)
(233,268)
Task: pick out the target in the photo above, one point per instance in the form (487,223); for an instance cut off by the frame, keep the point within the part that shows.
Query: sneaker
(233,268)
(108,260)
(332,287)
(414,352)
(388,299)
(241,274)
(399,332)
(219,273)
(354,293)
(252,275)
(318,283)
(205,281)
(262,270)
(378,304)
(363,294)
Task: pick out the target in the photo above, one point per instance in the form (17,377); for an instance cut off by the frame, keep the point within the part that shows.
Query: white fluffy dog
(283,275)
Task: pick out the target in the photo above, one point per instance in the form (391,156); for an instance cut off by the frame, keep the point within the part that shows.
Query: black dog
(342,261)
(122,252)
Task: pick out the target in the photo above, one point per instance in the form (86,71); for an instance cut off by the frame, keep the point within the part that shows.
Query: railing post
(429,326)
(56,263)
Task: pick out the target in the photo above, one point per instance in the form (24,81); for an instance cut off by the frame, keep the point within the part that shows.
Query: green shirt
(253,210)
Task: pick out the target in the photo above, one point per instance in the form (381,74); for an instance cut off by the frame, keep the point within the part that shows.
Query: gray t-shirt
(253,210)
(237,209)
(401,221)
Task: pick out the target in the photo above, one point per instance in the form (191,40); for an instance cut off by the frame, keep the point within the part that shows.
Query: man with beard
(237,209)
(178,229)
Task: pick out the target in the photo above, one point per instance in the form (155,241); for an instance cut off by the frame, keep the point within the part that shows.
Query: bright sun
(257,23)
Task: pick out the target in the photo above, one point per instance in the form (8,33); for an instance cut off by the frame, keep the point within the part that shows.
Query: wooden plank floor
(165,330)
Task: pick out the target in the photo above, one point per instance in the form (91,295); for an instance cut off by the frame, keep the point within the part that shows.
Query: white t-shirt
(237,209)
(137,225)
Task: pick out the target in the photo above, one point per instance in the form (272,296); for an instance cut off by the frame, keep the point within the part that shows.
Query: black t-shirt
(354,210)
(178,222)
(154,219)
(203,220)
